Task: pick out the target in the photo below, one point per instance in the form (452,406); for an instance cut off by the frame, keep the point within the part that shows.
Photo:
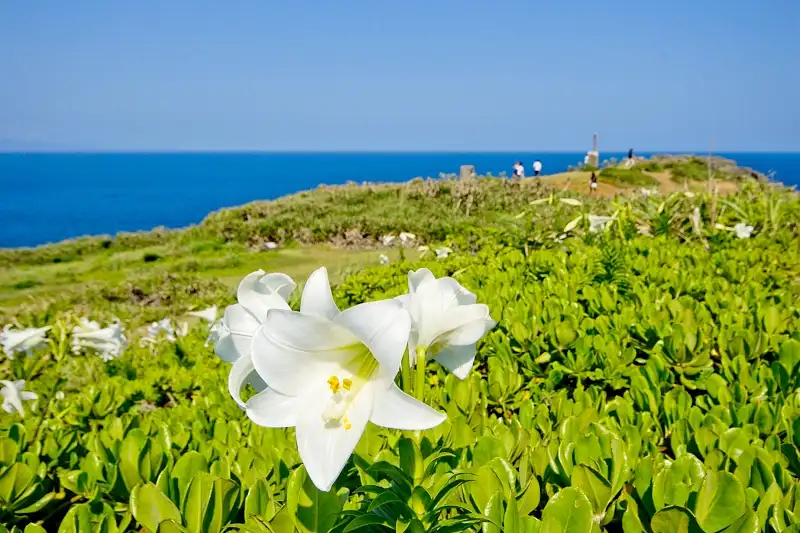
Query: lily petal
(272,409)
(258,297)
(290,350)
(384,327)
(397,410)
(238,377)
(418,277)
(235,342)
(317,298)
(464,324)
(457,359)
(324,448)
(279,283)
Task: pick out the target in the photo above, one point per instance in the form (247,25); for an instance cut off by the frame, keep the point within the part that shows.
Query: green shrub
(627,176)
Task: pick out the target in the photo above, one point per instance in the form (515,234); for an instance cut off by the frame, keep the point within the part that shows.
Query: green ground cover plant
(642,376)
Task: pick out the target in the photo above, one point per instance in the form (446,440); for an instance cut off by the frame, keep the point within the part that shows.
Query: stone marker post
(593,157)
(467,172)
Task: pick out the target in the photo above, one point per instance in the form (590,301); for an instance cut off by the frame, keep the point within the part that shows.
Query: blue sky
(411,75)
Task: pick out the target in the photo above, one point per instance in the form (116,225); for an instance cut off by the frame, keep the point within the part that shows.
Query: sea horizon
(53,196)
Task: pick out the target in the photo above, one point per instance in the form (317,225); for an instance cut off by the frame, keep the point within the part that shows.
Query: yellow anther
(333,381)
(347,424)
(347,383)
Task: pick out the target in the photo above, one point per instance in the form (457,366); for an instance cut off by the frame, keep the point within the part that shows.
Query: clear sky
(410,75)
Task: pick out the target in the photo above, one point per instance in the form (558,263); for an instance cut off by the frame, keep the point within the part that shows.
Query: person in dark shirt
(593,182)
(630,153)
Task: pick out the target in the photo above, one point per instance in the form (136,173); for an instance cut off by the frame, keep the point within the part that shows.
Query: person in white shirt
(519,170)
(537,167)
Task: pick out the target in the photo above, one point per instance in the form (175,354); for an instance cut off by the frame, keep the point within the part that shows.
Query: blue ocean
(51,197)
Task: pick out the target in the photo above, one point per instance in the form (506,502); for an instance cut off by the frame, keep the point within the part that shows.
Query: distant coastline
(52,196)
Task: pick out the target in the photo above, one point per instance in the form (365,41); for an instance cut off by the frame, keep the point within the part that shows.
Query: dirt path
(578,181)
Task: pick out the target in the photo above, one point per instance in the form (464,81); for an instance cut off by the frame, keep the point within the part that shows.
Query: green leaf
(14,481)
(720,503)
(312,510)
(631,523)
(511,519)
(209,503)
(747,523)
(592,483)
(150,507)
(77,520)
(494,512)
(411,461)
(190,464)
(674,520)
(569,511)
(170,526)
(33,528)
(259,501)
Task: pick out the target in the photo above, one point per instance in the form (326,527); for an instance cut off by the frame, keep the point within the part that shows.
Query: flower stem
(405,369)
(419,387)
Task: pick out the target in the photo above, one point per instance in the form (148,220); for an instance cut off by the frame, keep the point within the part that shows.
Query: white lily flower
(445,320)
(164,326)
(442,253)
(742,230)
(257,293)
(647,192)
(329,373)
(422,248)
(598,223)
(107,342)
(384,259)
(387,239)
(406,237)
(271,245)
(13,396)
(688,194)
(208,314)
(59,395)
(25,341)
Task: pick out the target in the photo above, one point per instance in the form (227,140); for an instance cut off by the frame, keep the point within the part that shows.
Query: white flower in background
(257,293)
(445,321)
(271,245)
(644,229)
(156,329)
(442,253)
(742,230)
(406,238)
(182,329)
(13,396)
(208,314)
(107,342)
(647,192)
(215,332)
(25,341)
(387,239)
(329,373)
(384,259)
(598,223)
(696,220)
(688,194)
(59,395)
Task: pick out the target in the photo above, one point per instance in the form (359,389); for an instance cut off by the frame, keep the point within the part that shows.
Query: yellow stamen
(347,383)
(333,381)
(347,424)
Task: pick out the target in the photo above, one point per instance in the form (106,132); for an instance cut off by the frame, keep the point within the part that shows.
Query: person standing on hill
(537,168)
(593,182)
(519,170)
(630,161)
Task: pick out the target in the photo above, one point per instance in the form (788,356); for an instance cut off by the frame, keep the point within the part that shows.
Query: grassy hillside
(642,376)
